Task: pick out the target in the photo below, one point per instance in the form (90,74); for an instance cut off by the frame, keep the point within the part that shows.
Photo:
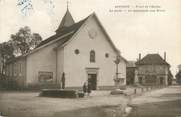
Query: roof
(64,31)
(131,64)
(152,59)
(67,21)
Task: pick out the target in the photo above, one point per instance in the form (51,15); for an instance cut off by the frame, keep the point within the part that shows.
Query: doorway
(92,79)
(140,79)
(161,80)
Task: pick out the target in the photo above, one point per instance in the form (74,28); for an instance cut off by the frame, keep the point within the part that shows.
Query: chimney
(139,56)
(165,56)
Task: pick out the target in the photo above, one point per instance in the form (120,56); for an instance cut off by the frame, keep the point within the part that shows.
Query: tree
(178,77)
(6,53)
(24,41)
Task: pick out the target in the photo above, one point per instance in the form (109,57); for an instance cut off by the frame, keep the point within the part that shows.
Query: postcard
(90,58)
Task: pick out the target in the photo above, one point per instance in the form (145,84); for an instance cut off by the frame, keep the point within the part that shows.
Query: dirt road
(29,104)
(160,103)
(164,102)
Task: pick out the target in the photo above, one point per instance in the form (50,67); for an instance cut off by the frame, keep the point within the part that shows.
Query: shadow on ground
(158,109)
(171,95)
(103,111)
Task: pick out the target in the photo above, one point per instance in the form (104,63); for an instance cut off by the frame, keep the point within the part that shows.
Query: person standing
(85,88)
(89,88)
(63,80)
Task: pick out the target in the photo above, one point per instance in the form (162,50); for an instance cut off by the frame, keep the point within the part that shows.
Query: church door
(161,80)
(92,79)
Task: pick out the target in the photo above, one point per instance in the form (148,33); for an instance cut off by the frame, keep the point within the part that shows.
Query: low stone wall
(61,93)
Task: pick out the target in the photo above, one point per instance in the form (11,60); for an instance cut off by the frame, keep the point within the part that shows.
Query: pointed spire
(67,20)
(67,4)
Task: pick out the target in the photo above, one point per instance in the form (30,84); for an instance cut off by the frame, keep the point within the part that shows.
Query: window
(15,69)
(106,55)
(45,77)
(151,79)
(161,80)
(92,56)
(76,51)
(20,69)
(140,80)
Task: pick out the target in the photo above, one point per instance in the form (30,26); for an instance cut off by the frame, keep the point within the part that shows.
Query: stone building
(152,70)
(79,52)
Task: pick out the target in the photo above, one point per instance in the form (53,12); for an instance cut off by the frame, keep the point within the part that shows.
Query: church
(78,52)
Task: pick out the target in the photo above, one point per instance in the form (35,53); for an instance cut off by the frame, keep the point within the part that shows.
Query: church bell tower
(67,20)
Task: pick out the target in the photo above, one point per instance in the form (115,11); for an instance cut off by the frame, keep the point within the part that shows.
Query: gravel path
(159,103)
(29,104)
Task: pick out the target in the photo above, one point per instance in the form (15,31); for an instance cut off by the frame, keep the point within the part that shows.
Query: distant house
(152,70)
(1,64)
(178,75)
(130,72)
(170,78)
(78,53)
(179,67)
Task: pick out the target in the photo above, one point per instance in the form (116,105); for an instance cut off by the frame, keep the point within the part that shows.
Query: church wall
(60,64)
(76,65)
(42,64)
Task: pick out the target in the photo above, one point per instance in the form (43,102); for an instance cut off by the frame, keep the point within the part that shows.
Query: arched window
(92,56)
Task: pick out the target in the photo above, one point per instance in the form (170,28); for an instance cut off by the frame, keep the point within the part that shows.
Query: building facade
(130,72)
(78,52)
(1,64)
(152,70)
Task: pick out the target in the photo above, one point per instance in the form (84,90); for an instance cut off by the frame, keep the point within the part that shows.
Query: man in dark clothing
(89,88)
(63,80)
(85,88)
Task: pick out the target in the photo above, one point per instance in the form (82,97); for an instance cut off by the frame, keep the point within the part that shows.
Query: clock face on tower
(92,33)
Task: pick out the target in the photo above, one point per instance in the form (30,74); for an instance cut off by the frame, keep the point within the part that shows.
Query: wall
(75,65)
(154,71)
(43,60)
(16,72)
(60,64)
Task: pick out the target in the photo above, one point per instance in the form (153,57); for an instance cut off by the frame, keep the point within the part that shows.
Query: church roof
(152,59)
(67,21)
(63,31)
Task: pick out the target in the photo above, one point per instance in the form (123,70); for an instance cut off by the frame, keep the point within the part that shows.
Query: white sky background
(132,33)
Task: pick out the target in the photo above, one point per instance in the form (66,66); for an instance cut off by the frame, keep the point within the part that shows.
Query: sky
(132,32)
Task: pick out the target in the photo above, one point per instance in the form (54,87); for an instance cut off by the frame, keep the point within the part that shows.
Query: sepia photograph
(90,58)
